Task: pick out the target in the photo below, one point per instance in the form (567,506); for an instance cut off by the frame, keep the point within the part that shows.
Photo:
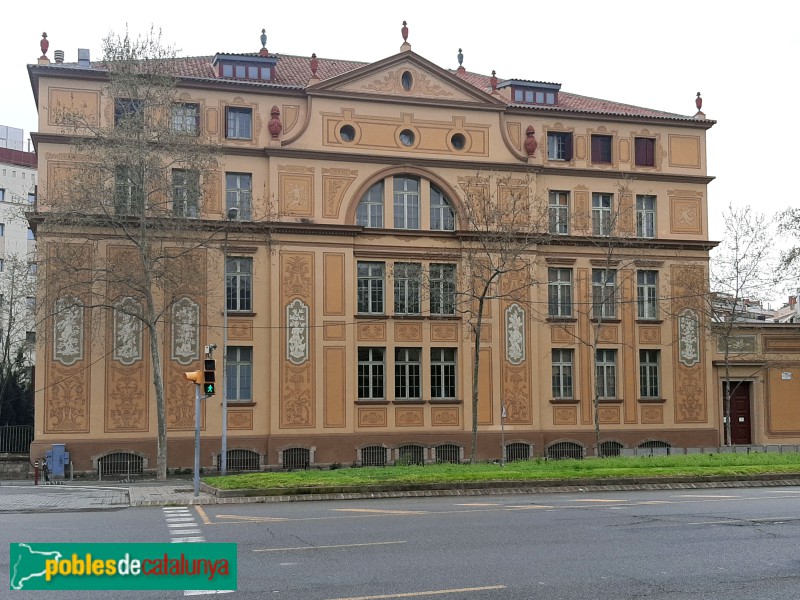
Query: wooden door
(741,426)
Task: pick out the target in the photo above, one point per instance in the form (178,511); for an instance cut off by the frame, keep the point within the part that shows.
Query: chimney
(83,58)
(59,56)
(792,300)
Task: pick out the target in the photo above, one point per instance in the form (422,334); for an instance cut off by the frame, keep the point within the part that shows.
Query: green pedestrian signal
(209,376)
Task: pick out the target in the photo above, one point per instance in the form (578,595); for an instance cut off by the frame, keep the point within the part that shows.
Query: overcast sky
(741,56)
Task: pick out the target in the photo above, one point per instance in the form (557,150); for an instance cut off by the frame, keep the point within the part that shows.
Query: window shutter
(568,146)
(640,151)
(650,152)
(596,149)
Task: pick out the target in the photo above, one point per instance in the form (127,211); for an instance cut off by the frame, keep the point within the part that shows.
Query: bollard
(36,473)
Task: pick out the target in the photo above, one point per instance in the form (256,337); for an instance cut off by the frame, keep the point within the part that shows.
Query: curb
(510,488)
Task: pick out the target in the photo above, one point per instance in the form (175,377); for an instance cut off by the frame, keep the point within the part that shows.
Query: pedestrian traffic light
(209,376)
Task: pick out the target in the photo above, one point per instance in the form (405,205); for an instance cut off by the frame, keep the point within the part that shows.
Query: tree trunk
(475,370)
(158,382)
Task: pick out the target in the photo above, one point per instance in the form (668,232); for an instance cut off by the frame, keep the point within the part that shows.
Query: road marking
(378,511)
(203,515)
(329,547)
(190,540)
(430,593)
(598,500)
(241,518)
(712,496)
(478,504)
(527,507)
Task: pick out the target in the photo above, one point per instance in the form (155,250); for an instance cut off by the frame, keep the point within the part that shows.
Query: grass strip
(699,465)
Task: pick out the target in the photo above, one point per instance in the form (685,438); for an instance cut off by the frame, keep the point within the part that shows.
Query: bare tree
(126,212)
(742,272)
(500,223)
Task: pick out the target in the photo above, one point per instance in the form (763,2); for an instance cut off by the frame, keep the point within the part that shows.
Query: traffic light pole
(197,397)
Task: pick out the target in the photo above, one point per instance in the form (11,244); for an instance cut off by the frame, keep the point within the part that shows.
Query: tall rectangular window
(558,211)
(559,292)
(238,123)
(443,373)
(562,373)
(606,373)
(2,229)
(559,145)
(443,289)
(129,191)
(442,215)
(371,374)
(645,216)
(239,374)
(239,284)
(406,203)
(604,293)
(3,192)
(407,373)
(31,234)
(370,287)
(601,148)
(601,213)
(644,152)
(186,193)
(407,279)
(370,210)
(648,373)
(129,113)
(186,117)
(238,194)
(647,294)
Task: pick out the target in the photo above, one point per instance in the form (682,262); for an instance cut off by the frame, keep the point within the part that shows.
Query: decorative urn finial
(275,126)
(460,57)
(44,44)
(404,32)
(530,141)
(263,51)
(698,102)
(493,81)
(314,64)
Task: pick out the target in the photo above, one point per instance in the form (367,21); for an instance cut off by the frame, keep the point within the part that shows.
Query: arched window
(442,214)
(518,451)
(565,450)
(406,203)
(411,455)
(448,453)
(370,210)
(373,456)
(610,448)
(240,460)
(120,463)
(296,458)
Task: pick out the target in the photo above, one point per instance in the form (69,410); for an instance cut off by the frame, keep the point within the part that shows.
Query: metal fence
(120,463)
(16,439)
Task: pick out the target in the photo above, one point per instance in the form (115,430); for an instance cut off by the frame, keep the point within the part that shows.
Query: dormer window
(532,92)
(245,66)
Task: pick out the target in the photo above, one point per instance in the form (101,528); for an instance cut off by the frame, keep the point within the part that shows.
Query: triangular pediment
(405,76)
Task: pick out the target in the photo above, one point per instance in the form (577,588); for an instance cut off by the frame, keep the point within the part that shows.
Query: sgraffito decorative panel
(372,332)
(565,415)
(652,415)
(409,417)
(372,417)
(688,338)
(297,396)
(240,419)
(608,415)
(691,403)
(185,338)
(444,332)
(408,332)
(127,373)
(335,183)
(515,334)
(444,416)
(296,190)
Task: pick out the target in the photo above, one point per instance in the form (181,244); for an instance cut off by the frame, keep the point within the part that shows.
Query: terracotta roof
(18,157)
(295,71)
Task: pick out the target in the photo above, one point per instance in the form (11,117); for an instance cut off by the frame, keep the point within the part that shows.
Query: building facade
(345,341)
(18,267)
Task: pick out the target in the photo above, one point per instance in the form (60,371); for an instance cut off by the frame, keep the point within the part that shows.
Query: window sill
(652,400)
(607,320)
(561,319)
(564,401)
(367,402)
(371,316)
(408,401)
(232,313)
(444,317)
(445,401)
(649,321)
(239,403)
(409,317)
(609,400)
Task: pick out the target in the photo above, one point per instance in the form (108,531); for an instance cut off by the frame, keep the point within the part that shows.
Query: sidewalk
(24,497)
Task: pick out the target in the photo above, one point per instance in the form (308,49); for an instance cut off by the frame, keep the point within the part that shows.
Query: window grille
(518,451)
(296,458)
(565,450)
(610,449)
(373,456)
(448,453)
(120,463)
(240,460)
(655,444)
(411,455)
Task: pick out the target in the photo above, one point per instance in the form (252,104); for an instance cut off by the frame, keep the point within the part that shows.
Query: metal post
(196,440)
(503,435)
(233,212)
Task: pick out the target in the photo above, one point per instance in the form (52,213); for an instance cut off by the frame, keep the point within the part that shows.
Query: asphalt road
(713,544)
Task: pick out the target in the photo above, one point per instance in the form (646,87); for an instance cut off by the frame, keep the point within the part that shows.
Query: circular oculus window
(347,133)
(407,137)
(458,141)
(407,80)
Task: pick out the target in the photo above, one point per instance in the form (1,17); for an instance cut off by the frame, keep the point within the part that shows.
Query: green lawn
(632,467)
